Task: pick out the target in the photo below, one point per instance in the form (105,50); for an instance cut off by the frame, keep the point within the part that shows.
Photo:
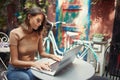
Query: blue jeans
(14,73)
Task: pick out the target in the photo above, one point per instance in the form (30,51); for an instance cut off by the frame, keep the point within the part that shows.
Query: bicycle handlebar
(54,23)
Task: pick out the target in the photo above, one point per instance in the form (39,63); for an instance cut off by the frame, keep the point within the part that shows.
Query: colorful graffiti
(76,14)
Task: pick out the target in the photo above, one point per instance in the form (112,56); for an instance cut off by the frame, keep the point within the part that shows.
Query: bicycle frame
(87,45)
(50,38)
(85,52)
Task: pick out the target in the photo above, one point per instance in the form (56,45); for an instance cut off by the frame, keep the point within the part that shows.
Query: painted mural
(76,15)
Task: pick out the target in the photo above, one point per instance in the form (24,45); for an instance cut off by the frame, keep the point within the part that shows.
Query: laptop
(55,66)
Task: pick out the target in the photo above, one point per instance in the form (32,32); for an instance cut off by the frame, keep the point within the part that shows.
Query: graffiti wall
(76,15)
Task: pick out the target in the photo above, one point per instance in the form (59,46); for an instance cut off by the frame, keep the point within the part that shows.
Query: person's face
(36,21)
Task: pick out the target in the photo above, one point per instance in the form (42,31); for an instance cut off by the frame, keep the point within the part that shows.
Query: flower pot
(96,39)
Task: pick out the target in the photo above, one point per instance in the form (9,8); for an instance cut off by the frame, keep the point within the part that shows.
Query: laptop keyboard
(54,66)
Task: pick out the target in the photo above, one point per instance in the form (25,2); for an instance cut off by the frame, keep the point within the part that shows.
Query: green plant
(29,4)
(98,35)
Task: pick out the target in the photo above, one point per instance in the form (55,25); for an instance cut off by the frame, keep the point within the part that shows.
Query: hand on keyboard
(42,65)
(54,57)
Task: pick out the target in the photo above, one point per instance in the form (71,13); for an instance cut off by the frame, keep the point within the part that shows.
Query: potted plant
(98,37)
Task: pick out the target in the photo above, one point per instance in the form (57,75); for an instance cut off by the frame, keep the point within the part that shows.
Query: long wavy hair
(33,12)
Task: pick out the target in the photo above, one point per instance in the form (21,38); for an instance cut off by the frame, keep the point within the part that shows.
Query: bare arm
(16,61)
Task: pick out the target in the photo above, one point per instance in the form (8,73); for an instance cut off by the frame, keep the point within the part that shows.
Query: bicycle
(86,46)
